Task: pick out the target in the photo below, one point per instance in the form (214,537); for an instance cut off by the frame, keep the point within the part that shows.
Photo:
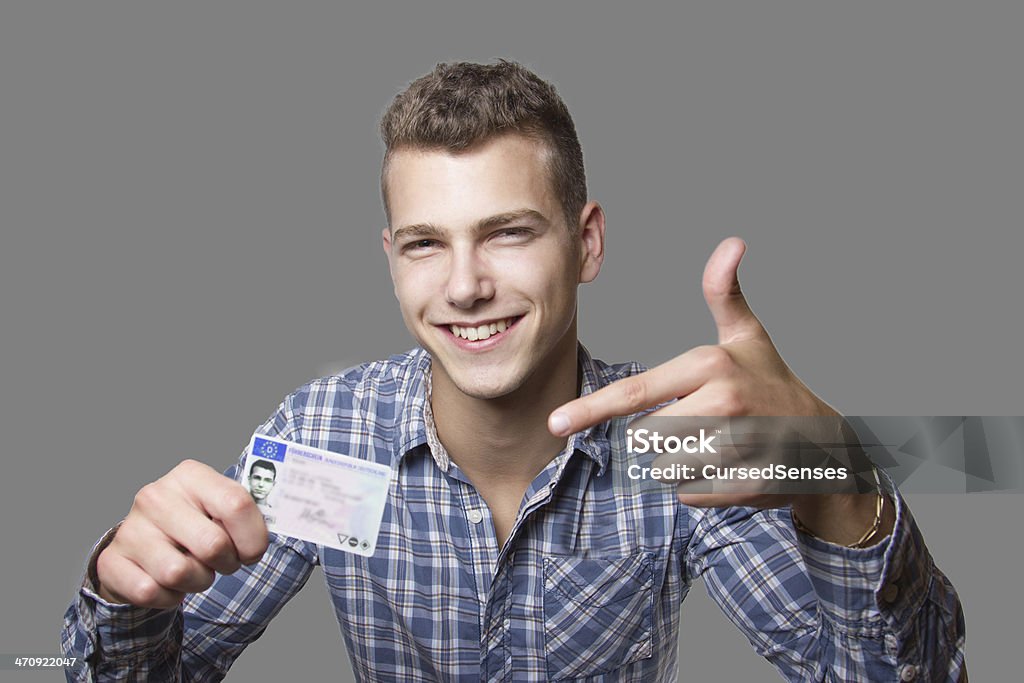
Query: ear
(591,241)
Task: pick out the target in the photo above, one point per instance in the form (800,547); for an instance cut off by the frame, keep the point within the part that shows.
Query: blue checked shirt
(588,586)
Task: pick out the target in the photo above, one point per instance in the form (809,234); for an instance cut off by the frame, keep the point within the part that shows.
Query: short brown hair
(460,105)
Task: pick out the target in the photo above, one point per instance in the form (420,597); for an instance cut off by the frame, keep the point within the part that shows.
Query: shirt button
(476,516)
(889,592)
(908,673)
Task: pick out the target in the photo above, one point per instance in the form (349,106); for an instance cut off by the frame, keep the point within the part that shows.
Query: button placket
(891,644)
(889,593)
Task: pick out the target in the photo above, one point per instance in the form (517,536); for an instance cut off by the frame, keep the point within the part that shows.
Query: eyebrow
(429,230)
(511,217)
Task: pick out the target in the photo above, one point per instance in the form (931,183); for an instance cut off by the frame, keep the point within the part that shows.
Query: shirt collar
(413,382)
(593,441)
(415,421)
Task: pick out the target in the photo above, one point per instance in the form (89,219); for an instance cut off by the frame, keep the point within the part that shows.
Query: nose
(469,279)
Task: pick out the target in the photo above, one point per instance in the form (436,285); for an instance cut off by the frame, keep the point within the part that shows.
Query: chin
(488,385)
(486,390)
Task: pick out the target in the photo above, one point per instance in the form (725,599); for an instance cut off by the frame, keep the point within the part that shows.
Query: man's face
(261,480)
(484,267)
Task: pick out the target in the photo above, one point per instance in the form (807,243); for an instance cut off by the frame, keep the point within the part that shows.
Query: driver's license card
(316,495)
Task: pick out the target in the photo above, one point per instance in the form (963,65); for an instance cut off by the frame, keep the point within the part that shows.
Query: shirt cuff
(874,590)
(119,631)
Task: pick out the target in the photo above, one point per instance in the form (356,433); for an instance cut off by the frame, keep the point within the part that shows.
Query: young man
(514,546)
(262,474)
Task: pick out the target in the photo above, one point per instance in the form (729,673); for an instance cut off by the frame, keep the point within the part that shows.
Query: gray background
(190,229)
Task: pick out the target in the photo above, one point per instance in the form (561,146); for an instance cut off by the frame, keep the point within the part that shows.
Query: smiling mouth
(484,331)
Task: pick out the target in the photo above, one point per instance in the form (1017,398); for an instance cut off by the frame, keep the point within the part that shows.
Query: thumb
(721,283)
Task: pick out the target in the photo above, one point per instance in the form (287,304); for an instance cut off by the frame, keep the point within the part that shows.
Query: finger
(710,400)
(173,516)
(227,503)
(681,375)
(724,297)
(164,561)
(127,583)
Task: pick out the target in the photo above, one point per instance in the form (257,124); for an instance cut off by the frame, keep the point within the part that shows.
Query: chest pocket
(598,613)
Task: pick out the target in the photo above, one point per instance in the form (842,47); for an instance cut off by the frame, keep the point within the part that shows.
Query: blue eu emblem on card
(270,450)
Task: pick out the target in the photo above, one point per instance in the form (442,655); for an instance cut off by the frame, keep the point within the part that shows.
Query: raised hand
(743,375)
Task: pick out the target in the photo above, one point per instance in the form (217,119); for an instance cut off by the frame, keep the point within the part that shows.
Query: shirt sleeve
(824,612)
(197,641)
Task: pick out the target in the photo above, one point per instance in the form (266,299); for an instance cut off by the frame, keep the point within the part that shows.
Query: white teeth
(483,331)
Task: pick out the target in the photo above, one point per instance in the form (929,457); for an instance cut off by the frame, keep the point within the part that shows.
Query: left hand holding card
(182,528)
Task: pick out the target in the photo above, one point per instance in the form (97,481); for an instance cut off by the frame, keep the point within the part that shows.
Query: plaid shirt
(588,585)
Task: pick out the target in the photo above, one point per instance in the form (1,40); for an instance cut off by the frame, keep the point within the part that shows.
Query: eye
(419,245)
(513,234)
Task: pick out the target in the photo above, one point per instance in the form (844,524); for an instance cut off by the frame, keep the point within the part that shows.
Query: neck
(506,439)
